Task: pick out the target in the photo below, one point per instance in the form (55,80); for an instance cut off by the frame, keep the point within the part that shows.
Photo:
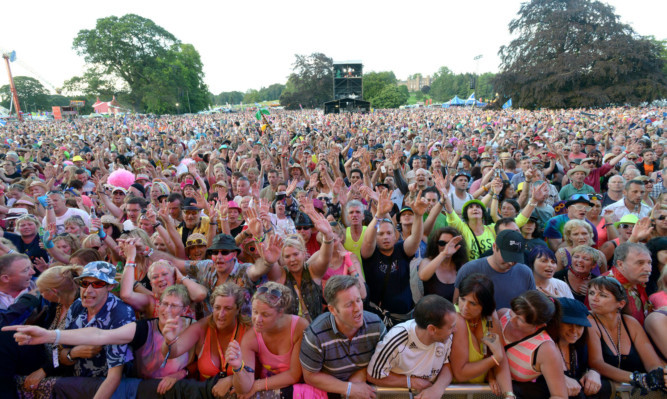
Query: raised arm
(411,244)
(34,335)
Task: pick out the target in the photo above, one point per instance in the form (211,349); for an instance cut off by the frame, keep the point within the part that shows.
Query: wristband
(57,340)
(130,264)
(240,368)
(150,253)
(349,389)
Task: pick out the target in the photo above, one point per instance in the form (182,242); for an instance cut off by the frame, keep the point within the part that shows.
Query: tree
(390,97)
(32,94)
(311,82)
(229,97)
(374,82)
(425,89)
(133,52)
(577,53)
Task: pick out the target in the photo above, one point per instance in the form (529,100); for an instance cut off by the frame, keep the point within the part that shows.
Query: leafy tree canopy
(311,82)
(32,94)
(577,53)
(374,82)
(390,97)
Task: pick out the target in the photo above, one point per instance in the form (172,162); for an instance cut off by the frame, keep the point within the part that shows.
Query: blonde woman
(575,233)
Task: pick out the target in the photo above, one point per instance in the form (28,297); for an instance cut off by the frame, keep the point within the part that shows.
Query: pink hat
(232,205)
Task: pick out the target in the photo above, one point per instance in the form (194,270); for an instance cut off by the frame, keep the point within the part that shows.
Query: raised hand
(314,178)
(233,354)
(384,204)
(452,246)
(272,248)
(254,223)
(128,248)
(171,329)
(322,225)
(291,187)
(419,205)
(541,192)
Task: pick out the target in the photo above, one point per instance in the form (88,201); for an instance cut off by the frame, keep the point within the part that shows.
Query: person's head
(634,191)
(406,216)
(344,301)
(27,225)
(174,302)
(355,175)
(532,311)
(542,261)
(509,208)
(96,282)
(585,258)
(57,199)
(56,284)
(118,195)
(648,155)
(227,300)
(161,275)
(174,202)
(633,260)
(508,250)
(355,213)
(15,272)
(473,209)
(578,206)
(223,252)
(75,226)
(66,243)
(616,183)
(577,232)
(273,178)
(386,235)
(84,256)
(476,297)
(437,316)
(195,246)
(432,196)
(439,239)
(573,322)
(294,253)
(270,302)
(421,177)
(606,295)
(133,208)
(461,182)
(242,186)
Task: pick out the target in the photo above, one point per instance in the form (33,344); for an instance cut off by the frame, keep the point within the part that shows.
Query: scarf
(637,297)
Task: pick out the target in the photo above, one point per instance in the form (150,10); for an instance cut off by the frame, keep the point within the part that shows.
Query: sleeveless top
(341,271)
(476,353)
(629,362)
(156,303)
(354,246)
(207,368)
(149,357)
(522,356)
(272,364)
(309,291)
(437,287)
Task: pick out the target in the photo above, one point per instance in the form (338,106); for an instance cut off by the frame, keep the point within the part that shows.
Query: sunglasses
(222,252)
(196,241)
(303,228)
(442,243)
(661,217)
(96,284)
(580,207)
(273,295)
(626,226)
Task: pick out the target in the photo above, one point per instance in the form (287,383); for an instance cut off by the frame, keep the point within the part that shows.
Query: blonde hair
(29,218)
(597,256)
(91,240)
(662,280)
(230,289)
(573,224)
(293,241)
(60,278)
(71,240)
(283,303)
(160,263)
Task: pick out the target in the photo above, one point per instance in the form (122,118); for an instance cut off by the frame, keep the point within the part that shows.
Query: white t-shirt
(557,289)
(60,220)
(401,352)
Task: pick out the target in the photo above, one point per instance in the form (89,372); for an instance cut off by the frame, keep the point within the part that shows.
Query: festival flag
(472,97)
(508,104)
(3,122)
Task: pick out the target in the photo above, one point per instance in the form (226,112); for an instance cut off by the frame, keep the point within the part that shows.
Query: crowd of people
(311,256)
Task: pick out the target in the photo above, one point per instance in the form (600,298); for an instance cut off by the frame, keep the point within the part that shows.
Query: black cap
(511,245)
(189,204)
(302,220)
(573,312)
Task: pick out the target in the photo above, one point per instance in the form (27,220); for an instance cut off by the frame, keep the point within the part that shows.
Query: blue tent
(456,101)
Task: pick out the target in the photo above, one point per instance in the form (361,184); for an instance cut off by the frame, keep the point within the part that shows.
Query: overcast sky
(250,44)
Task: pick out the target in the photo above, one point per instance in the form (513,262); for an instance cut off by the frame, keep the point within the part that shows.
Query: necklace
(572,364)
(582,276)
(474,325)
(617,347)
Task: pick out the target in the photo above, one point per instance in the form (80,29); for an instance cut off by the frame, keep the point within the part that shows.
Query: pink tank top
(342,270)
(520,356)
(274,364)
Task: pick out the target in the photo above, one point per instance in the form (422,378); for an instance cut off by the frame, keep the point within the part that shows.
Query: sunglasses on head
(196,241)
(95,284)
(273,295)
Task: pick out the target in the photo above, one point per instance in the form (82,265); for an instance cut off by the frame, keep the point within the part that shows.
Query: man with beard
(631,203)
(338,345)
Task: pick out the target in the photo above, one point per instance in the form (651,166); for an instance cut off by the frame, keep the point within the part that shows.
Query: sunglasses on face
(626,226)
(96,284)
(661,217)
(222,252)
(442,243)
(303,228)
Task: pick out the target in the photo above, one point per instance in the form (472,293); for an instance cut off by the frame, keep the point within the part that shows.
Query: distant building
(417,83)
(112,107)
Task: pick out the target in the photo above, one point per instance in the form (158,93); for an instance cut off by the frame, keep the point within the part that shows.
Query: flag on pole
(472,97)
(261,111)
(508,104)
(3,122)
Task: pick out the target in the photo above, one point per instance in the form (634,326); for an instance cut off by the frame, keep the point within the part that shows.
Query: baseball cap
(511,245)
(573,312)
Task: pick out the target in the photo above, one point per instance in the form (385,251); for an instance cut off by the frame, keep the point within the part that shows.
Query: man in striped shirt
(415,354)
(338,345)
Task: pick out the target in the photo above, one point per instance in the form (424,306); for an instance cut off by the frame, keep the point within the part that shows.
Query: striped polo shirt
(325,349)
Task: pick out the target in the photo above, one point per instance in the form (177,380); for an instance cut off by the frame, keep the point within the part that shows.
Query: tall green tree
(155,67)
(229,97)
(390,97)
(577,53)
(311,82)
(374,82)
(33,96)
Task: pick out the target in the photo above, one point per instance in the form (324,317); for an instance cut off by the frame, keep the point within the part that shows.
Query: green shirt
(568,191)
(485,240)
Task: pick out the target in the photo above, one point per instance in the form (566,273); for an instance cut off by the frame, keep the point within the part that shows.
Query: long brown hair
(537,308)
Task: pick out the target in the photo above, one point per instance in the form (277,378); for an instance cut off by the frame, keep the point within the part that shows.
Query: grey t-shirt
(507,286)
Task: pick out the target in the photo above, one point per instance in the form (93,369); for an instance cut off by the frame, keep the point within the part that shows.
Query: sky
(251,44)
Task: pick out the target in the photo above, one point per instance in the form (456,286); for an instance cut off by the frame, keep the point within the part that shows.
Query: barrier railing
(483,391)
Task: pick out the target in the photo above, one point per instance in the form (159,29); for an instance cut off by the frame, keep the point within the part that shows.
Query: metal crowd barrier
(483,391)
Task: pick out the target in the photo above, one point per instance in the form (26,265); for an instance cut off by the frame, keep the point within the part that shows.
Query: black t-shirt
(397,296)
(31,249)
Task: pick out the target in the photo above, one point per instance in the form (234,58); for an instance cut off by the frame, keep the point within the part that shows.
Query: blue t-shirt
(397,296)
(506,286)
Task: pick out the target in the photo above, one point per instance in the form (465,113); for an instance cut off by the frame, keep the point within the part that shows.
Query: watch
(68,356)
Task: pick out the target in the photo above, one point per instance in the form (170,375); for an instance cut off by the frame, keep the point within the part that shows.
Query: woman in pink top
(275,344)
(533,356)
